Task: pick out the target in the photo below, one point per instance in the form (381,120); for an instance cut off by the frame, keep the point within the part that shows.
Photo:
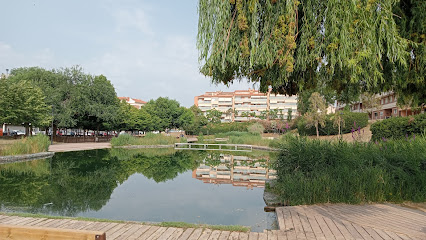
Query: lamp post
(51,134)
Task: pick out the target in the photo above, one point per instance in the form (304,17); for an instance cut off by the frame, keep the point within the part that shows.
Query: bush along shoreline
(29,145)
(314,171)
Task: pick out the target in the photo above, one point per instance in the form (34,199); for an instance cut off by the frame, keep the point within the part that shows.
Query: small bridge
(214,147)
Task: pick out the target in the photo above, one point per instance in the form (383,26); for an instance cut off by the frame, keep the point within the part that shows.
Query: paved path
(339,221)
(69,147)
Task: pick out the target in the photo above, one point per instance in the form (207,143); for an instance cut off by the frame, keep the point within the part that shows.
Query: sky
(147,49)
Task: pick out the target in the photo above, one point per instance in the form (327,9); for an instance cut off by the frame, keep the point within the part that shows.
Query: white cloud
(128,20)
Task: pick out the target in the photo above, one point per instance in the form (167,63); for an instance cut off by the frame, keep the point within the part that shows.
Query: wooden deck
(378,221)
(214,147)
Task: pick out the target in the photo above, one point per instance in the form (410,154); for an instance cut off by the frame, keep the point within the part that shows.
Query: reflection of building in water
(235,170)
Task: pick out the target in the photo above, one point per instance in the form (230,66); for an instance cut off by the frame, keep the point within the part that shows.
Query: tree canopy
(293,45)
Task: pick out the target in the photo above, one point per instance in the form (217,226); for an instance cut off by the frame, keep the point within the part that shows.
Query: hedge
(399,127)
(351,120)
(215,128)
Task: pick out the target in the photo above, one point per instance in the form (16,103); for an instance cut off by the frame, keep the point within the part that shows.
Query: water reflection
(141,185)
(242,171)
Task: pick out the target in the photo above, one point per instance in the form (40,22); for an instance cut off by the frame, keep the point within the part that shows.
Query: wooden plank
(371,233)
(314,225)
(57,223)
(404,237)
(141,230)
(382,234)
(272,235)
(354,233)
(281,235)
(157,233)
(13,219)
(333,228)
(116,234)
(148,232)
(215,235)
(280,218)
(324,227)
(253,236)
(35,222)
(263,236)
(176,234)
(224,235)
(300,233)
(206,234)
(288,223)
(166,234)
(132,230)
(393,235)
(185,235)
(244,236)
(342,228)
(195,234)
(309,232)
(30,233)
(234,236)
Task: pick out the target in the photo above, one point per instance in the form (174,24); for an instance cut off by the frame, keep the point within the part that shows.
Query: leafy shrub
(256,128)
(34,144)
(399,127)
(314,171)
(149,139)
(215,128)
(352,120)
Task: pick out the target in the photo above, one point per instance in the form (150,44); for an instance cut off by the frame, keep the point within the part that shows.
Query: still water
(143,185)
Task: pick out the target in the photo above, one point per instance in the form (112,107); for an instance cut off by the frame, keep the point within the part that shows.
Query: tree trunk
(340,133)
(31,130)
(27,129)
(55,128)
(316,126)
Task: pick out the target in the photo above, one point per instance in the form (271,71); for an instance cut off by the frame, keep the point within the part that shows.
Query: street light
(51,134)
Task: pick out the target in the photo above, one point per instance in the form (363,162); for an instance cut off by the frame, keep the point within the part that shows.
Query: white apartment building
(236,105)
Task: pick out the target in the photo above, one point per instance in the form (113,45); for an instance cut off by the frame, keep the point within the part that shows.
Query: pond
(143,185)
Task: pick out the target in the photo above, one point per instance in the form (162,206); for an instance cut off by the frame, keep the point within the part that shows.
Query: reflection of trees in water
(77,182)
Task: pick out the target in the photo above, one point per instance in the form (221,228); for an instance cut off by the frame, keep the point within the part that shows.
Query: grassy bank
(34,144)
(148,139)
(313,171)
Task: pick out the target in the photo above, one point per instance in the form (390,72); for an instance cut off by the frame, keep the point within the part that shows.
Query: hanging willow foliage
(292,45)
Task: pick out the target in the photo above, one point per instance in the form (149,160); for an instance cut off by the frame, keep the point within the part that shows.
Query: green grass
(314,171)
(234,228)
(34,144)
(148,139)
(244,138)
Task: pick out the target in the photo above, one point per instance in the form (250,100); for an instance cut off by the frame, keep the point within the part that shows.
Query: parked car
(17,133)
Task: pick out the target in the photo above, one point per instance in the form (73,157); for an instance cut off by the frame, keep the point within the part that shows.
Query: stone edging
(25,157)
(145,146)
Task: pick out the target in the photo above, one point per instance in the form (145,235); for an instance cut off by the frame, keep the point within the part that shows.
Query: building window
(395,111)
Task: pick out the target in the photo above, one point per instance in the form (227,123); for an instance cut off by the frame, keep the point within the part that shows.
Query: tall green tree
(21,103)
(167,112)
(296,45)
(317,112)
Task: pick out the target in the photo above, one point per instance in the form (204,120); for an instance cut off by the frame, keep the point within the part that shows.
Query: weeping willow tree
(349,46)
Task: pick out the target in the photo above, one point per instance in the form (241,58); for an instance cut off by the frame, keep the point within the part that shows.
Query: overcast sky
(147,49)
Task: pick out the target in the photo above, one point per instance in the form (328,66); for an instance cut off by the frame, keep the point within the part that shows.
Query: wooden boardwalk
(378,221)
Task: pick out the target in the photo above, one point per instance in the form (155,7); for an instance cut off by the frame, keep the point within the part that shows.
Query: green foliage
(256,128)
(224,127)
(316,114)
(148,139)
(166,111)
(213,115)
(22,103)
(28,145)
(399,127)
(352,121)
(297,45)
(313,171)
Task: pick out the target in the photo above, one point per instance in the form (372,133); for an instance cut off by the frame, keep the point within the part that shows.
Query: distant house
(137,103)
(387,107)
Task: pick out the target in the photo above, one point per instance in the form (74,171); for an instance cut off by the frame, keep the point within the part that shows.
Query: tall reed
(314,171)
(34,144)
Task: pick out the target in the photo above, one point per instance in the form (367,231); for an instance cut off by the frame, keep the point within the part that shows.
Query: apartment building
(236,105)
(239,171)
(387,107)
(137,103)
